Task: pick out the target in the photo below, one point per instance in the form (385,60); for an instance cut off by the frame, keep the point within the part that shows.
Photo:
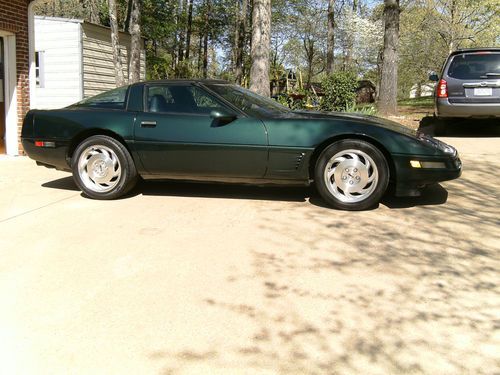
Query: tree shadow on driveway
(404,291)
(432,195)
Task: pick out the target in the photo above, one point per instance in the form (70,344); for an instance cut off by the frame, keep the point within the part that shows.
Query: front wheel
(103,168)
(351,175)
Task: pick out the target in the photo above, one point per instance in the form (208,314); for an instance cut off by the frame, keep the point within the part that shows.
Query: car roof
(468,50)
(182,80)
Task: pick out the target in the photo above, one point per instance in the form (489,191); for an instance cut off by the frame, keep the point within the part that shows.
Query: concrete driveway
(209,279)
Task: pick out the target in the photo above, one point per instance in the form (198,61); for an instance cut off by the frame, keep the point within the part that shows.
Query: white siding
(98,69)
(427,89)
(60,42)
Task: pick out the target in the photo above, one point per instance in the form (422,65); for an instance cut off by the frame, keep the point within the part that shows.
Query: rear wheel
(103,168)
(351,175)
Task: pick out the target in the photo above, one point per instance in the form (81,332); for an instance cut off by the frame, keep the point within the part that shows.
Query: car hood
(354,117)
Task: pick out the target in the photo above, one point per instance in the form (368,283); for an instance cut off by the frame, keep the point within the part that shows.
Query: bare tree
(182,31)
(261,42)
(115,43)
(330,39)
(206,30)
(136,42)
(387,103)
(350,39)
(189,28)
(92,8)
(310,54)
(240,38)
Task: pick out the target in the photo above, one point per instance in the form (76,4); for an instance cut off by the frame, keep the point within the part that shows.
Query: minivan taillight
(442,90)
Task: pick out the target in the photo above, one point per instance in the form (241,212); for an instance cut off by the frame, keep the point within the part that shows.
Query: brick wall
(14,18)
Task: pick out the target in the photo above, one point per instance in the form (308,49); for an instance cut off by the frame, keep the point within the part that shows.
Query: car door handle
(148,124)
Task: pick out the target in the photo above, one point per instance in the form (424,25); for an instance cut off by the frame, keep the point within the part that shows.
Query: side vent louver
(299,159)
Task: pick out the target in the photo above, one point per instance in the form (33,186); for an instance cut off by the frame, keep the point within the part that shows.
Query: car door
(176,135)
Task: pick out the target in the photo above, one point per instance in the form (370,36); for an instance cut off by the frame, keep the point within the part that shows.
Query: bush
(369,109)
(340,91)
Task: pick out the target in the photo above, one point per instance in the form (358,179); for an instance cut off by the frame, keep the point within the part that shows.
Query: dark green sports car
(215,131)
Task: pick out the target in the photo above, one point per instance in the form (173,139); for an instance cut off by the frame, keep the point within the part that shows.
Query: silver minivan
(469,86)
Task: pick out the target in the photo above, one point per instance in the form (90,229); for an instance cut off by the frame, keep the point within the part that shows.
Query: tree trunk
(261,41)
(240,49)
(350,40)
(92,10)
(418,90)
(205,55)
(330,39)
(115,44)
(236,36)
(309,48)
(175,45)
(205,39)
(134,70)
(128,14)
(189,28)
(182,28)
(387,103)
(200,51)
(451,44)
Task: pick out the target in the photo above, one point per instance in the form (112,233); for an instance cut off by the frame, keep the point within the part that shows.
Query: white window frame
(40,69)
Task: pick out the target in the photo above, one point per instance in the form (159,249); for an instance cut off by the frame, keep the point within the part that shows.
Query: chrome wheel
(351,176)
(99,168)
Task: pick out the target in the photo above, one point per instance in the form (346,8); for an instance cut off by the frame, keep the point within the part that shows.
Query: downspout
(80,67)
(31,57)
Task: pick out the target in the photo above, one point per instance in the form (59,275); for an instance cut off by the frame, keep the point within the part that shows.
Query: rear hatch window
(474,78)
(475,66)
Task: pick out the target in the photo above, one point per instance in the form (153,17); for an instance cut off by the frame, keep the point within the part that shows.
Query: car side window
(114,99)
(160,99)
(204,101)
(180,99)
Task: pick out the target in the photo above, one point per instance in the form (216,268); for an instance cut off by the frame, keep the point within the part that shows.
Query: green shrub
(362,109)
(340,91)
(307,102)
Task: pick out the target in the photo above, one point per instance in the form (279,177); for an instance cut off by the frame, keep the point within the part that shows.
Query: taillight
(442,90)
(45,144)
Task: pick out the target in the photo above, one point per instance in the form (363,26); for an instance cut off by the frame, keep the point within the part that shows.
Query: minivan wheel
(351,175)
(103,168)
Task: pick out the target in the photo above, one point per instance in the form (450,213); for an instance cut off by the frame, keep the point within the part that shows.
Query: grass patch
(427,101)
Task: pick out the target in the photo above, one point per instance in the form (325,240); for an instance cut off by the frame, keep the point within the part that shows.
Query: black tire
(371,181)
(110,156)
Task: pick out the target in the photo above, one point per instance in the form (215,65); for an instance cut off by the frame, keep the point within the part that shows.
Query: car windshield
(114,99)
(248,101)
(478,65)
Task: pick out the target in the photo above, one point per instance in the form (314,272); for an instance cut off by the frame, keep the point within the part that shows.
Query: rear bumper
(48,156)
(410,180)
(481,110)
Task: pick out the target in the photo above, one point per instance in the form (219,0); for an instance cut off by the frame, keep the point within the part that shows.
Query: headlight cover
(447,149)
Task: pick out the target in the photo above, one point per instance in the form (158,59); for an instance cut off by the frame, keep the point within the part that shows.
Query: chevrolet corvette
(211,130)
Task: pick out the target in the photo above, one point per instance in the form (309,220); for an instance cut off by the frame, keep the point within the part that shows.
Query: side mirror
(221,117)
(433,77)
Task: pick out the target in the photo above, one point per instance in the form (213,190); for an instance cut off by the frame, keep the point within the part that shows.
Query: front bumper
(481,110)
(410,179)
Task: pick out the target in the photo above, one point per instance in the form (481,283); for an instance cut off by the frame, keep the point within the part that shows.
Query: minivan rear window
(483,65)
